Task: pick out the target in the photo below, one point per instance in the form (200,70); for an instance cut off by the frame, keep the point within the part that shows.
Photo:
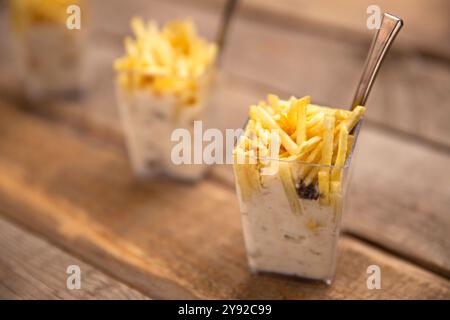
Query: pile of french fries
(167,61)
(29,12)
(309,134)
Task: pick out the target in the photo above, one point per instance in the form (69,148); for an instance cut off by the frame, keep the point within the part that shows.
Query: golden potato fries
(314,137)
(301,119)
(341,154)
(173,60)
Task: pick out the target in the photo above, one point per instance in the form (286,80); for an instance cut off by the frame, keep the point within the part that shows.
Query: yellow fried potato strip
(341,154)
(316,138)
(173,60)
(246,173)
(289,187)
(327,154)
(335,192)
(270,123)
(301,119)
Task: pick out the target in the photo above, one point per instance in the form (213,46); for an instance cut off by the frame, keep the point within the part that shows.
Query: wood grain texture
(168,240)
(31,268)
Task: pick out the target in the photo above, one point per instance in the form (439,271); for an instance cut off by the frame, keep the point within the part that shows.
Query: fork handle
(390,26)
(227,15)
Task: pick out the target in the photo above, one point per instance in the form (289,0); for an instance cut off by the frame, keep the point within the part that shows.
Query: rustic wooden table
(67,195)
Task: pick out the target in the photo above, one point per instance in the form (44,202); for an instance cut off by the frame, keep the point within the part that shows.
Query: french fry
(324,187)
(311,123)
(351,140)
(247,175)
(327,154)
(311,134)
(273,103)
(292,116)
(289,187)
(267,108)
(306,147)
(354,117)
(313,108)
(268,121)
(284,155)
(301,119)
(328,136)
(293,135)
(313,157)
(316,130)
(341,155)
(335,192)
(138,27)
(318,117)
(342,115)
(350,122)
(283,122)
(254,114)
(172,60)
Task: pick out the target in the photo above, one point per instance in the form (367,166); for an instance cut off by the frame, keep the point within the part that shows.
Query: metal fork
(390,26)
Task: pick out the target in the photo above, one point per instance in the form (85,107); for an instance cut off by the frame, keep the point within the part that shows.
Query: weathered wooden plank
(169,240)
(31,268)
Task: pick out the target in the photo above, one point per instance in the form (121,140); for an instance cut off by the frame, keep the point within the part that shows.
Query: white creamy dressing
(149,121)
(279,241)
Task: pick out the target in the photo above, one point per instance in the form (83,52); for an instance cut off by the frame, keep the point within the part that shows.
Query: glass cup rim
(346,165)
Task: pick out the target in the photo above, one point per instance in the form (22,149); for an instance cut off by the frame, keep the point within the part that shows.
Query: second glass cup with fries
(291,215)
(164,83)
(50,55)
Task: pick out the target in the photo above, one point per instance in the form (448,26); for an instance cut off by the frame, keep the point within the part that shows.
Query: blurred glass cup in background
(150,119)
(49,52)
(165,82)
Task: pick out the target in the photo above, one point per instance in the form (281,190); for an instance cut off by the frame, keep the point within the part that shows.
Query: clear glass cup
(296,235)
(149,119)
(50,56)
